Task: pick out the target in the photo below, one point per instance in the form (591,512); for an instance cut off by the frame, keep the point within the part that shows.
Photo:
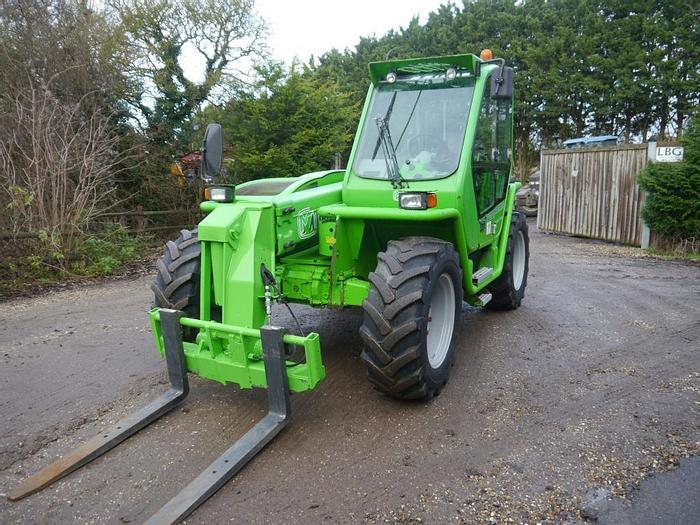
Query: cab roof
(414,66)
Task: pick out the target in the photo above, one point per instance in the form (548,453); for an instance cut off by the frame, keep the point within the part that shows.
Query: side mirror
(212,152)
(502,83)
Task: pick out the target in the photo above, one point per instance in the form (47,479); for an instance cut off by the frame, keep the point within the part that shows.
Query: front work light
(417,201)
(219,193)
(451,73)
(391,77)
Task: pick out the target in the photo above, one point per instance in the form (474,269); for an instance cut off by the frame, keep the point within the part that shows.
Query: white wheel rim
(441,317)
(518,260)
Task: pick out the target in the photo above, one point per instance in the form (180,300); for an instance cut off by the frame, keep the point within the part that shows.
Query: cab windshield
(423,123)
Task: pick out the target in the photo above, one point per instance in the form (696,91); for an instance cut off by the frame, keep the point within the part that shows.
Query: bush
(672,207)
(112,250)
(108,251)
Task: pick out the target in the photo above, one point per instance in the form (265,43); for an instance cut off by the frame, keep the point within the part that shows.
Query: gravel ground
(574,408)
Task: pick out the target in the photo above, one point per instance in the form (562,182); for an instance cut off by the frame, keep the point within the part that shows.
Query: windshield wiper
(387,116)
(392,165)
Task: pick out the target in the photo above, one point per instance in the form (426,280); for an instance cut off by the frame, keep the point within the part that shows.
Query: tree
(76,46)
(582,67)
(290,124)
(58,164)
(61,122)
(672,207)
(220,35)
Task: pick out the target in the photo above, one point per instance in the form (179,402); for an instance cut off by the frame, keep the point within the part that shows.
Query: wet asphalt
(581,406)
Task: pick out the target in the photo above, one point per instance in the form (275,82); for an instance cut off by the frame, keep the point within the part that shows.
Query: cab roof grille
(431,67)
(427,65)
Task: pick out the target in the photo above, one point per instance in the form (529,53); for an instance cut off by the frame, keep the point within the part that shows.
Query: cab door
(492,158)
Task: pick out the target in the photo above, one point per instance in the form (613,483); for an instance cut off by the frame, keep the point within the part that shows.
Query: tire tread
(394,316)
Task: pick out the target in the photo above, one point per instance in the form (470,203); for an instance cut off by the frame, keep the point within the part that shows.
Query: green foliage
(583,67)
(291,124)
(19,197)
(108,251)
(672,207)
(112,250)
(159,35)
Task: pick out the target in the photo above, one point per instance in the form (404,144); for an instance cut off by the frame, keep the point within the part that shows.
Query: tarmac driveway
(554,412)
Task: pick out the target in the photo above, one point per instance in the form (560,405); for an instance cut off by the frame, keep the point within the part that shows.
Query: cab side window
(492,152)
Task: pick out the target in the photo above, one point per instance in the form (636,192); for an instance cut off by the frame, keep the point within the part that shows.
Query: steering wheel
(438,149)
(422,142)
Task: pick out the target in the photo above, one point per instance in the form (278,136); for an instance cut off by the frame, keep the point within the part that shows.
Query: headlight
(219,193)
(417,201)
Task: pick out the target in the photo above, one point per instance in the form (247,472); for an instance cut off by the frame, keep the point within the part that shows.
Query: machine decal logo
(307,223)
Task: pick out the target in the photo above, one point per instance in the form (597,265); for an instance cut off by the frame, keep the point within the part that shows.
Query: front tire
(411,317)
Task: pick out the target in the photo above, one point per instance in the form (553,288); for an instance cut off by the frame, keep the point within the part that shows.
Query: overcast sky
(310,27)
(301,28)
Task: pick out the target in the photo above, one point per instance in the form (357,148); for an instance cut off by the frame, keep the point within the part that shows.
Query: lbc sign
(669,153)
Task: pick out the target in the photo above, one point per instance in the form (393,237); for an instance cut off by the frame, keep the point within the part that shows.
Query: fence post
(646,231)
(540,201)
(140,218)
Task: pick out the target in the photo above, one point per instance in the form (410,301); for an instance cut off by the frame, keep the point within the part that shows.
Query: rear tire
(509,289)
(411,317)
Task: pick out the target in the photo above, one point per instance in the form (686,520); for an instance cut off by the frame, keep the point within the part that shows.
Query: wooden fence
(138,220)
(593,192)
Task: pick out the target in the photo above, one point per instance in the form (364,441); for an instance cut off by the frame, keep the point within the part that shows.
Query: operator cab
(420,133)
(422,118)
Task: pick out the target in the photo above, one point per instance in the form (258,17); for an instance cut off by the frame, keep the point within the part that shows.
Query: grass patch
(675,255)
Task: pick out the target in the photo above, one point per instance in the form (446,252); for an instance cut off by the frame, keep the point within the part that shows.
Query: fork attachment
(242,451)
(222,469)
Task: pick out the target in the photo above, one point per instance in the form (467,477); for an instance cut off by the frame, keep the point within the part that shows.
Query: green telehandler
(421,220)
